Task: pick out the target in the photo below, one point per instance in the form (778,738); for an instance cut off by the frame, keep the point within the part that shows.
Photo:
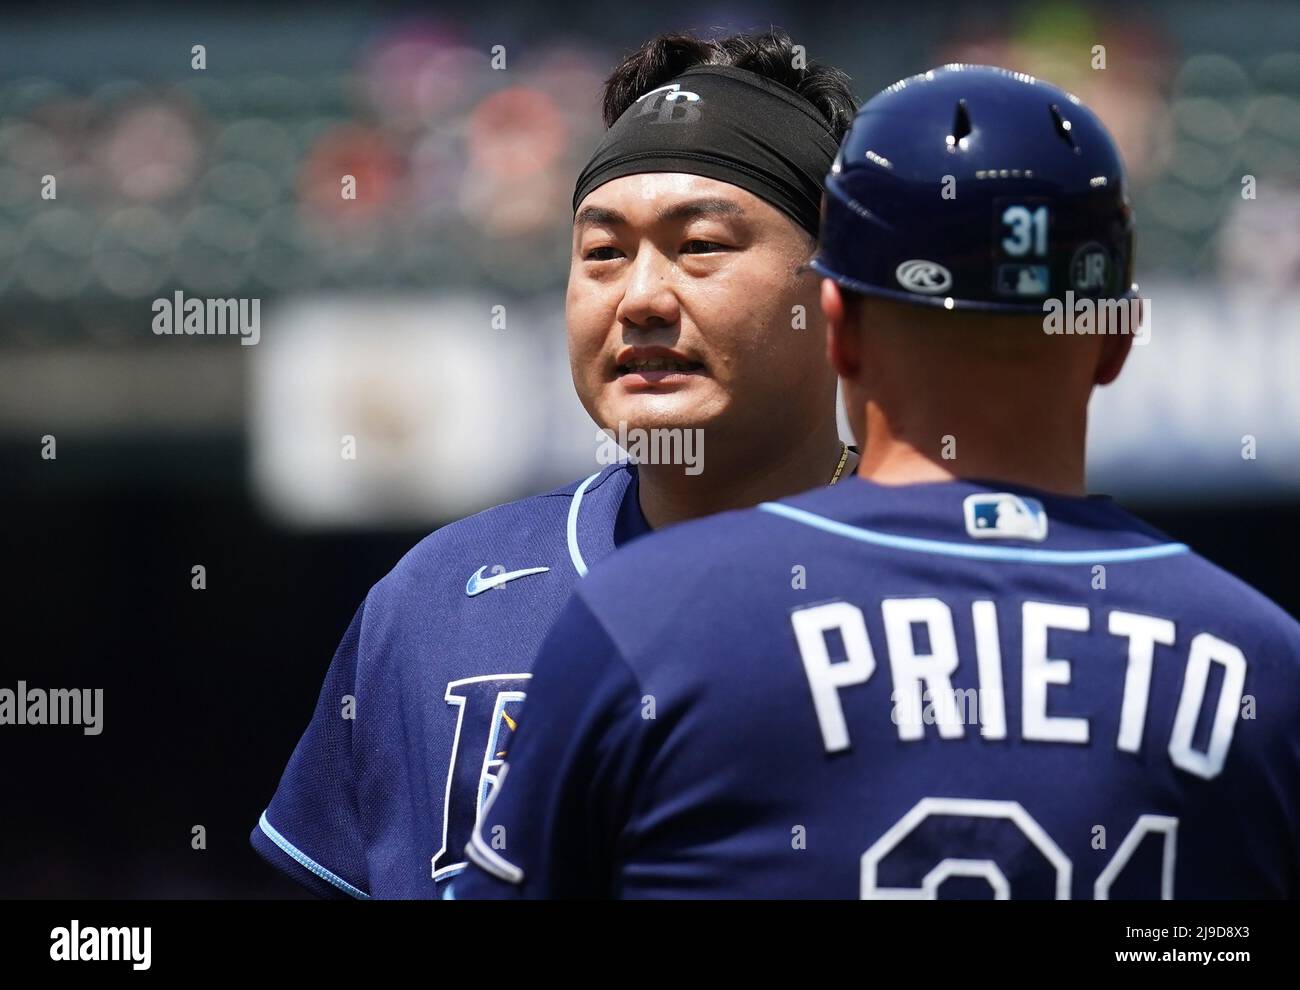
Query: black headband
(728,124)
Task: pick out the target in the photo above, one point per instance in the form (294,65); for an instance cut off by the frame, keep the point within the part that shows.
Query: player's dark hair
(771,55)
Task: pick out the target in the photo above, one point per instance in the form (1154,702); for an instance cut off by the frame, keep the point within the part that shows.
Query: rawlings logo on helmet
(927,277)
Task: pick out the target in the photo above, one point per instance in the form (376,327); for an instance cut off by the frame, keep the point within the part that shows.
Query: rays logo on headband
(666,106)
(745,130)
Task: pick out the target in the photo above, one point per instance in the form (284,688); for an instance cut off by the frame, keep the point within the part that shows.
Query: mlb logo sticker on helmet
(919,275)
(1022,280)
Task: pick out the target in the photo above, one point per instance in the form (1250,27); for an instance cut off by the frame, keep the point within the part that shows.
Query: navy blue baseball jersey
(419,704)
(932,690)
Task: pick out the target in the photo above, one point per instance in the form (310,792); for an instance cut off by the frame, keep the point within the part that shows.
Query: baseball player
(955,675)
(691,314)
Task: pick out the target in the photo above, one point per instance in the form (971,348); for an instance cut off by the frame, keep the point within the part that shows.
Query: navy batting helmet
(973,187)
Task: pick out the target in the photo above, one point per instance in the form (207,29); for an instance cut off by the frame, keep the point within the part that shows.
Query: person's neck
(997,442)
(669,495)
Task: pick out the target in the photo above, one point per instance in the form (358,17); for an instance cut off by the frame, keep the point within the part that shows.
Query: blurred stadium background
(377,322)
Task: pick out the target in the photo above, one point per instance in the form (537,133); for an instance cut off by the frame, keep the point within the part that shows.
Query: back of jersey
(962,690)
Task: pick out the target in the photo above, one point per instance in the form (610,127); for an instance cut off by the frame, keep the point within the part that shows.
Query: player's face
(683,309)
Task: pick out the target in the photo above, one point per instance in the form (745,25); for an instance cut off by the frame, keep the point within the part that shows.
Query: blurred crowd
(464,158)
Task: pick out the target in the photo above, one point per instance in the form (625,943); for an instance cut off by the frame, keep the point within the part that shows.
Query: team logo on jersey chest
(487,712)
(1003,516)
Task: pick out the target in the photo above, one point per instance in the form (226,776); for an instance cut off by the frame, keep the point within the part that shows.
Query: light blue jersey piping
(305,861)
(1025,555)
(575,554)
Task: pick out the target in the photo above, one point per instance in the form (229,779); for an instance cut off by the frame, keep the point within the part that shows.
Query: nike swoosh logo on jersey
(477,584)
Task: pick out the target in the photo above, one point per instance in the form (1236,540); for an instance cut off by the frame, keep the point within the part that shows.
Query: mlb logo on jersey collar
(1003,516)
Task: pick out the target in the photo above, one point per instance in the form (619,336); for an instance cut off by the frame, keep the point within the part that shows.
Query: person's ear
(842,346)
(1115,348)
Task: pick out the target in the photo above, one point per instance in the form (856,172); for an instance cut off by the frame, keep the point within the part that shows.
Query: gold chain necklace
(839,468)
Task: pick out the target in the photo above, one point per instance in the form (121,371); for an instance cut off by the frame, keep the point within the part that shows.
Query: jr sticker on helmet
(927,277)
(1090,268)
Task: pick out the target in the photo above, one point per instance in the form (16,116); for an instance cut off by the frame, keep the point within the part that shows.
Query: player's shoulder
(1196,588)
(734,540)
(527,531)
(1212,590)
(1194,583)
(688,565)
